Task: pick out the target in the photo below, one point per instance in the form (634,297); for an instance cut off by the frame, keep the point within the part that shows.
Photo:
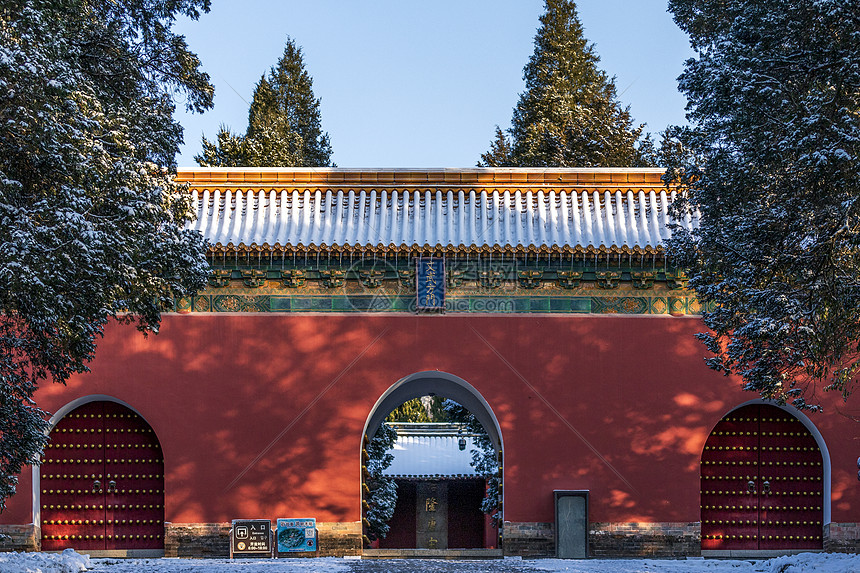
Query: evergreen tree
(425,409)
(773,168)
(484,458)
(284,126)
(92,220)
(382,496)
(228,150)
(499,154)
(409,411)
(569,115)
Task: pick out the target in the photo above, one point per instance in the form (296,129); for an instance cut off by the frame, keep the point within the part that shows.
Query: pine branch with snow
(284,123)
(91,219)
(569,114)
(774,169)
(382,496)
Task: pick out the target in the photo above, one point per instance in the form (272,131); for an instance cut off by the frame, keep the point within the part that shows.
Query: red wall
(261,415)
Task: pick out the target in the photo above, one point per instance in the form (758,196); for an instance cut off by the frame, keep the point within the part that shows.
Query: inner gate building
(539,299)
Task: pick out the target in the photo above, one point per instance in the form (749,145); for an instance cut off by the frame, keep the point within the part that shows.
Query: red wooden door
(73,513)
(761,483)
(792,493)
(102,482)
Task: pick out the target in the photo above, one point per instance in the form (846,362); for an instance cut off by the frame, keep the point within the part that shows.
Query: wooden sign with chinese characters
(430,284)
(432,515)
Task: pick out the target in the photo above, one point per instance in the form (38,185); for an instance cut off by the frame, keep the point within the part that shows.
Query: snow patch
(66,562)
(71,562)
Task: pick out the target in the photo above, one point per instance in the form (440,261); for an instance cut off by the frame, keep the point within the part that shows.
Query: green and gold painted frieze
(488,286)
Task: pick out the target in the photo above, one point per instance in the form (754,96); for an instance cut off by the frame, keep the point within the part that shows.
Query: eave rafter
(452,212)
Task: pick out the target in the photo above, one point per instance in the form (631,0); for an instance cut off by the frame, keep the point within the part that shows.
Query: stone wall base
(667,539)
(20,538)
(842,537)
(535,539)
(339,539)
(196,539)
(526,539)
(213,540)
(529,539)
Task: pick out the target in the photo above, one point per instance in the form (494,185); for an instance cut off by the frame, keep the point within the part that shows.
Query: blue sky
(422,84)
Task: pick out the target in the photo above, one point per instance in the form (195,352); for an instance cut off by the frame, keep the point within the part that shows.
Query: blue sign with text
(297,535)
(430,284)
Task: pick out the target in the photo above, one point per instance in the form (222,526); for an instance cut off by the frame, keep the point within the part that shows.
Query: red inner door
(72,471)
(730,466)
(762,485)
(102,482)
(134,495)
(792,485)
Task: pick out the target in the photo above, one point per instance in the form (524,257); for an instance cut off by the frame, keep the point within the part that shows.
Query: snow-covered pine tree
(383,490)
(228,150)
(284,125)
(774,106)
(569,115)
(91,220)
(484,458)
(499,154)
(409,411)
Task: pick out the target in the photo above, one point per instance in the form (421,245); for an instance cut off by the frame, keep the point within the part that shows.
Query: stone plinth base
(20,538)
(338,539)
(672,539)
(842,537)
(432,554)
(529,539)
(609,539)
(196,539)
(213,540)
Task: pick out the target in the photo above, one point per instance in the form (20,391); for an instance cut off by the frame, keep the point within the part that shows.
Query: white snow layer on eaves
(593,219)
(431,456)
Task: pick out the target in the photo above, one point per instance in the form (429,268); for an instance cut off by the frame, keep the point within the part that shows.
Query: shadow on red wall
(261,415)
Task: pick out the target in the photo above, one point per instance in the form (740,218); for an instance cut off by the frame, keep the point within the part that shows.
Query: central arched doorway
(453,388)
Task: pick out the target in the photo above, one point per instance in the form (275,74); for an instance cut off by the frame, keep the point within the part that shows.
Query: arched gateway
(101,485)
(763,483)
(442,384)
(430,384)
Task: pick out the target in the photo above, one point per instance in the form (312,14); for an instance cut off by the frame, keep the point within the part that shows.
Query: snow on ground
(66,562)
(71,562)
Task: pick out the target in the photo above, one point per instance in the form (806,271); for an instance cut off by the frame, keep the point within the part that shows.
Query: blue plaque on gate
(296,535)
(430,284)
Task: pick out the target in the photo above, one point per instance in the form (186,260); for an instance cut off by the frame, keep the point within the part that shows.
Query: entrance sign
(295,535)
(430,284)
(251,536)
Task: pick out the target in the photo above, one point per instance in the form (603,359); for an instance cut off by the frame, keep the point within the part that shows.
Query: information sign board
(297,535)
(251,536)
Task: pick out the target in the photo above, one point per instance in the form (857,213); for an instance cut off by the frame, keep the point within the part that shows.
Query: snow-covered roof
(498,210)
(430,451)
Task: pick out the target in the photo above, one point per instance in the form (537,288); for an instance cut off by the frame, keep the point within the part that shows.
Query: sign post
(297,535)
(251,536)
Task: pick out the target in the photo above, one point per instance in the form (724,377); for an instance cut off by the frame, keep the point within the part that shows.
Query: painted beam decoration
(430,284)
(297,535)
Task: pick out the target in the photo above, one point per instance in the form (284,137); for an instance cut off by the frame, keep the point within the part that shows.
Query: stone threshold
(120,553)
(432,554)
(755,553)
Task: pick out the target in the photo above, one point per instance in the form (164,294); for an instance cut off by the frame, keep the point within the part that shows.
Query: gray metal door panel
(572,526)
